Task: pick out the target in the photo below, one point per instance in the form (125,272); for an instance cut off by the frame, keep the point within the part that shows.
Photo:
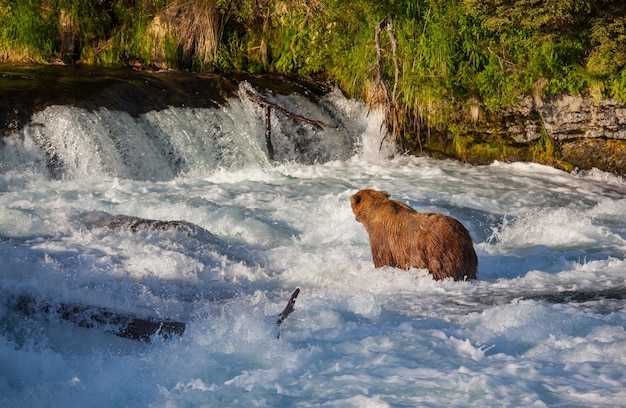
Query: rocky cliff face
(568,117)
(567,132)
(587,133)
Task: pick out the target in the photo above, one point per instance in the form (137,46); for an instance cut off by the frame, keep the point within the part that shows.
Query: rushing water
(544,325)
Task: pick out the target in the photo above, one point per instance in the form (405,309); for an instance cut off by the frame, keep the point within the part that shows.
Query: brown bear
(403,238)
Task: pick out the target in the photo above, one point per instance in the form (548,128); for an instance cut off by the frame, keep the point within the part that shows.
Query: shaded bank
(27,89)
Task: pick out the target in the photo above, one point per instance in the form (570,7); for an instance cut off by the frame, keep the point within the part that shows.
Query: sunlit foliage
(435,61)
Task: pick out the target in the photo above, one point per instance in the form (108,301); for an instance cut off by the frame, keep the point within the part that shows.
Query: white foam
(359,336)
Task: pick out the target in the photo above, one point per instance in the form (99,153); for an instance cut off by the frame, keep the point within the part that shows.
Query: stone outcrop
(567,117)
(589,133)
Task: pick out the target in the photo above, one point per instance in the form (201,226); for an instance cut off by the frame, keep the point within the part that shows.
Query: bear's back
(402,237)
(439,243)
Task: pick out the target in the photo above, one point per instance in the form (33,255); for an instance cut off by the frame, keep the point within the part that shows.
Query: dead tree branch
(268,133)
(394,56)
(379,63)
(264,102)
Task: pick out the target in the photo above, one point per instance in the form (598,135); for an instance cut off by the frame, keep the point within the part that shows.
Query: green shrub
(28,29)
(618,87)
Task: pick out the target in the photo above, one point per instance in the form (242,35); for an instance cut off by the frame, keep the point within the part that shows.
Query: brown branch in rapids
(289,308)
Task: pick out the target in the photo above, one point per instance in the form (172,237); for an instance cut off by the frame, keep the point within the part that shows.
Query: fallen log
(118,323)
(264,102)
(268,106)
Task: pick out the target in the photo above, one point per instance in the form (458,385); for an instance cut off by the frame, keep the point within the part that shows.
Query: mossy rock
(604,154)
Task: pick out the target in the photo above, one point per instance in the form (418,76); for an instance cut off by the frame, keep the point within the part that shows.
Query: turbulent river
(84,193)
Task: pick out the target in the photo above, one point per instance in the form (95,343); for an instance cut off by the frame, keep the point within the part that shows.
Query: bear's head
(364,200)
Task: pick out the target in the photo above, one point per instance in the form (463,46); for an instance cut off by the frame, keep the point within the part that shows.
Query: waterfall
(72,142)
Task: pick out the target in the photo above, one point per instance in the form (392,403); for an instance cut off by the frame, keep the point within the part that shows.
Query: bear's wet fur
(403,238)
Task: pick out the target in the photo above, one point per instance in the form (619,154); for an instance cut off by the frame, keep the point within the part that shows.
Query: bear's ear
(385,194)
(355,199)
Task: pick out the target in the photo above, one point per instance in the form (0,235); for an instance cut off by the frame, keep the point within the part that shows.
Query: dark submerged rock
(119,323)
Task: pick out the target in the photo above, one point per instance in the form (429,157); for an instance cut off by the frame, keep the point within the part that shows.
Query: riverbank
(475,81)
(566,132)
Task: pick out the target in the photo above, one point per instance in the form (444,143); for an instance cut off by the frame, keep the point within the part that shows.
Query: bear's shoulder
(399,207)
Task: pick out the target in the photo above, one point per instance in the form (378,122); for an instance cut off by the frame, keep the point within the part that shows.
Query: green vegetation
(430,63)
